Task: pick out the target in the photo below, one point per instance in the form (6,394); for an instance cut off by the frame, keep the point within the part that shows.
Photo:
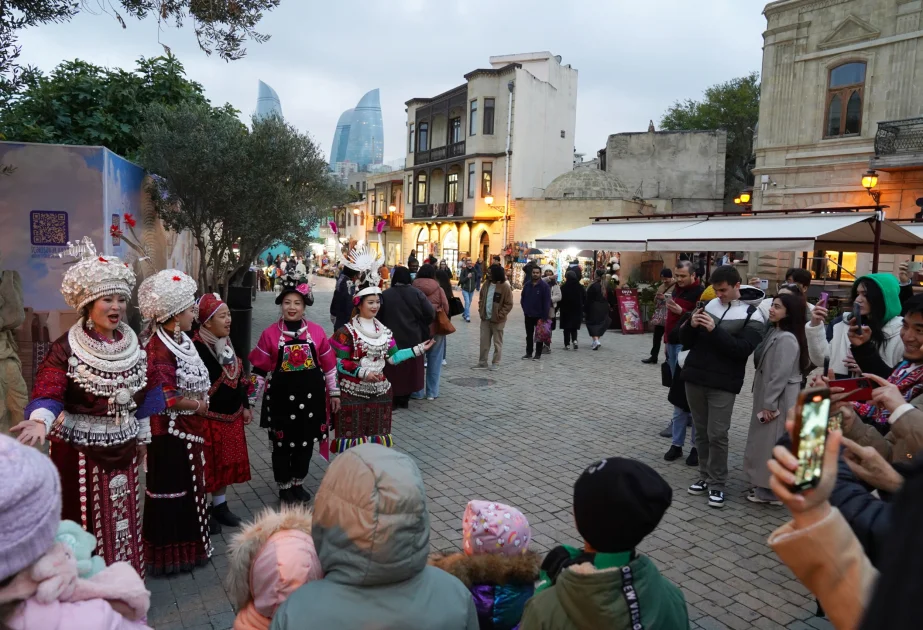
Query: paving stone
(498,443)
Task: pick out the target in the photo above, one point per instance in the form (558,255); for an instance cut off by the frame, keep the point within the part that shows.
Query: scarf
(909,382)
(220,347)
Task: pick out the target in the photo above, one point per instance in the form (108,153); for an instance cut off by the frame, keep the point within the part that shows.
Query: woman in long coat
(407,312)
(780,361)
(597,309)
(573,299)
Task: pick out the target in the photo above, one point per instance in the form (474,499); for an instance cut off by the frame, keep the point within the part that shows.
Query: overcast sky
(635,58)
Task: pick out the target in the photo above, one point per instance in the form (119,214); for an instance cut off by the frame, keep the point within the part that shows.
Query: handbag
(543,331)
(455,306)
(666,374)
(442,323)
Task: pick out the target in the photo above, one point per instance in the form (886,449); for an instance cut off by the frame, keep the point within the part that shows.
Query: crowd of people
(174,401)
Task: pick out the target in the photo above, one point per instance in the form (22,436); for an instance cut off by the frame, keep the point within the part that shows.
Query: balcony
(898,145)
(455,150)
(439,210)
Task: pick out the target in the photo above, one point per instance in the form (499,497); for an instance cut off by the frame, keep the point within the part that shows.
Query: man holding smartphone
(687,291)
(720,338)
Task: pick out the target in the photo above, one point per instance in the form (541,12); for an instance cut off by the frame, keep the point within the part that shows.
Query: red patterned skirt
(175,511)
(226,458)
(100,491)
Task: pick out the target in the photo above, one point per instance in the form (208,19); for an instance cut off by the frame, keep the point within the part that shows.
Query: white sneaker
(444,362)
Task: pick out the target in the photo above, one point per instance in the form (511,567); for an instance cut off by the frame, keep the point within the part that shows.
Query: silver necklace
(115,371)
(192,379)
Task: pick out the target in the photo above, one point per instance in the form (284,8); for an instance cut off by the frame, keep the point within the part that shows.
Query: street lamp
(489,200)
(743,199)
(870,181)
(392,208)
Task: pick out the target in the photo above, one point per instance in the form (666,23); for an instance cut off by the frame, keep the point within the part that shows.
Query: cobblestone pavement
(522,435)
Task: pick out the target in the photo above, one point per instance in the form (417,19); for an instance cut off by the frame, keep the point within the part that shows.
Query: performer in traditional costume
(295,364)
(87,398)
(176,536)
(362,348)
(226,459)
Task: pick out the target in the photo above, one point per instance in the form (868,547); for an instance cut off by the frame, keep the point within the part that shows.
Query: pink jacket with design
(266,353)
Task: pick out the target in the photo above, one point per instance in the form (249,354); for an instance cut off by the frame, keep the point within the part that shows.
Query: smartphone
(764,284)
(700,305)
(822,302)
(856,316)
(860,389)
(809,436)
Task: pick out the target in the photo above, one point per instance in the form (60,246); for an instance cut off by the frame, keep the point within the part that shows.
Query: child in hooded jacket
(270,559)
(496,565)
(40,585)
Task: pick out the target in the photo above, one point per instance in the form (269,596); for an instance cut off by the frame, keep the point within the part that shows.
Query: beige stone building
(842,92)
(511,122)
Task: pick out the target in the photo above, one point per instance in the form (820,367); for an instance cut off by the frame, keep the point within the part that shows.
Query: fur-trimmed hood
(489,568)
(270,555)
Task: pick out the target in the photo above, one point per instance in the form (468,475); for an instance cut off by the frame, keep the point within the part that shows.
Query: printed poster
(630,312)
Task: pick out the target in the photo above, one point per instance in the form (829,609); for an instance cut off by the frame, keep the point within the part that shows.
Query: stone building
(842,92)
(458,163)
(385,202)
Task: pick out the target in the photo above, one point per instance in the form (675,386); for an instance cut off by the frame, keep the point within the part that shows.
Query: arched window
(845,90)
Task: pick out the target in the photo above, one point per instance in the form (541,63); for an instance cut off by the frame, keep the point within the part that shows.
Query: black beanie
(618,502)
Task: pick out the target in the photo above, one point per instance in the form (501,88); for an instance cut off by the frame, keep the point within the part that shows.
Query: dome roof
(587,183)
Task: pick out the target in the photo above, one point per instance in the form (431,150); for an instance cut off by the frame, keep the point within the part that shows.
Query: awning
(852,232)
(624,236)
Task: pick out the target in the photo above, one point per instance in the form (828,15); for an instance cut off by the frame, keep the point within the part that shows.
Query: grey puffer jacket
(371,532)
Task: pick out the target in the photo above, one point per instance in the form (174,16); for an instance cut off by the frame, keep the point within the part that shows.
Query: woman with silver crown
(91,399)
(362,347)
(176,536)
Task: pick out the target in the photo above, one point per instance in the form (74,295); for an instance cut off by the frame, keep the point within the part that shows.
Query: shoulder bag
(442,324)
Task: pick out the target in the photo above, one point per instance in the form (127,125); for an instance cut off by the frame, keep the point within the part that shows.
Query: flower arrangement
(134,242)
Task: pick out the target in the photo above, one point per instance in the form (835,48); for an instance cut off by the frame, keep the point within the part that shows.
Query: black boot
(214,527)
(299,494)
(222,513)
(285,497)
(650,360)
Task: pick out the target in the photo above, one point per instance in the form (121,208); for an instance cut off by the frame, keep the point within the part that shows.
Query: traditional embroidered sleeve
(327,362)
(161,372)
(396,355)
(262,357)
(50,385)
(342,344)
(154,403)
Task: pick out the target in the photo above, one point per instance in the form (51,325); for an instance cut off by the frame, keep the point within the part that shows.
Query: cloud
(634,58)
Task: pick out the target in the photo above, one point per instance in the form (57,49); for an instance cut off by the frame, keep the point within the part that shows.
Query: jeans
(569,334)
(468,295)
(434,358)
(680,418)
(530,337)
(711,415)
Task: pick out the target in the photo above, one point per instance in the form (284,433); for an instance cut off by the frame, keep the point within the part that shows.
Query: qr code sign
(49,227)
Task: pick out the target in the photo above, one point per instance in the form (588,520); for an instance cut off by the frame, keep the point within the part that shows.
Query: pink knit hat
(30,505)
(495,528)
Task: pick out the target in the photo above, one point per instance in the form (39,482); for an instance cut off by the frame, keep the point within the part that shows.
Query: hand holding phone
(822,302)
(858,389)
(809,436)
(856,315)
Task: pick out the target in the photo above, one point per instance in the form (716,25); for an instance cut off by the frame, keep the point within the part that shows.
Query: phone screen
(811,436)
(822,302)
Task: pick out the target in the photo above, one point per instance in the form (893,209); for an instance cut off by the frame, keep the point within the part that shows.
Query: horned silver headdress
(367,262)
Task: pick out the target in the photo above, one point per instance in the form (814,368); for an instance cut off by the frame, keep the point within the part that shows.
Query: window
(452,187)
(410,139)
(473,118)
(486,178)
(472,179)
(421,187)
(845,89)
(423,137)
(840,266)
(488,116)
(382,208)
(455,127)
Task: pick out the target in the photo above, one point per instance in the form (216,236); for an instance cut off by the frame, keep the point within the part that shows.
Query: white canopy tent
(624,236)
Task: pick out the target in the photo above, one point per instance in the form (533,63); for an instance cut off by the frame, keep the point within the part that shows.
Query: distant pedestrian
(427,283)
(555,288)
(479,270)
(659,318)
(413,266)
(597,309)
(444,266)
(536,302)
(468,280)
(494,305)
(444,280)
(341,306)
(573,302)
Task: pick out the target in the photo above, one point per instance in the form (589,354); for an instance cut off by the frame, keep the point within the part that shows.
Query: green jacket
(586,597)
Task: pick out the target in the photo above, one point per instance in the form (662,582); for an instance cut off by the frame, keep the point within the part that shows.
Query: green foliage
(733,106)
(80,103)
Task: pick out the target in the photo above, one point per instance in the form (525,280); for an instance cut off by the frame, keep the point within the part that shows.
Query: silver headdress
(165,294)
(367,262)
(94,276)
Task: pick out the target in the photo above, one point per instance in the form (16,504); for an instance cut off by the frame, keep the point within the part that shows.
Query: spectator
(877,348)
(270,559)
(573,302)
(468,281)
(536,302)
(432,260)
(658,319)
(427,283)
(409,315)
(720,338)
(301,270)
(479,271)
(904,279)
(687,290)
(341,306)
(371,530)
(413,266)
(597,309)
(496,564)
(780,360)
(789,288)
(549,277)
(494,305)
(445,281)
(444,266)
(608,584)
(40,585)
(574,266)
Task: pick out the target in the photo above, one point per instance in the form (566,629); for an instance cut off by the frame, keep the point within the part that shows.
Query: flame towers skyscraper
(359,136)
